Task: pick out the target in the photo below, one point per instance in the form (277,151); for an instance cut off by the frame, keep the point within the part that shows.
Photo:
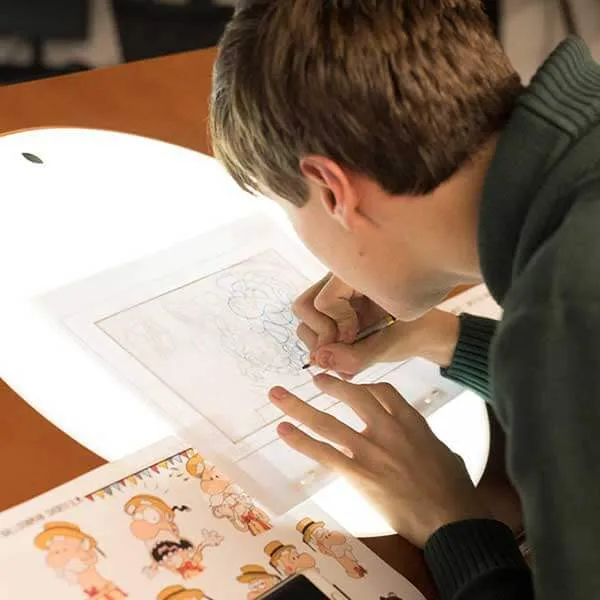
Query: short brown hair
(403,91)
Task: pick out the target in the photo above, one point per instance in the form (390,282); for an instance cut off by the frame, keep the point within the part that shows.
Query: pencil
(369,331)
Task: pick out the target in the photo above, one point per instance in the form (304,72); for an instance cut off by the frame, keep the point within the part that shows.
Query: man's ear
(337,194)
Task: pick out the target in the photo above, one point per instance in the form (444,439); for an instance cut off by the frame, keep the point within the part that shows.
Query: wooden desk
(166,99)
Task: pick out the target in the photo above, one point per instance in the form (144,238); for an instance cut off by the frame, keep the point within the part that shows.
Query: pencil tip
(306,366)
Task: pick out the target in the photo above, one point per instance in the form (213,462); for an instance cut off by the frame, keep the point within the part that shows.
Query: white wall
(532,28)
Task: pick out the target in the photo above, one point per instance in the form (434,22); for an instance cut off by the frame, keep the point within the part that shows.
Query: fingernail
(326,360)
(278,393)
(284,429)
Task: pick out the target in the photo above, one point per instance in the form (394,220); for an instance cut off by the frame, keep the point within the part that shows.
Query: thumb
(389,345)
(348,359)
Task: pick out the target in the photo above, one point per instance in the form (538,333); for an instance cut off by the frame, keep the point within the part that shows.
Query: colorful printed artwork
(286,559)
(73,555)
(226,500)
(153,523)
(331,543)
(155,533)
(258,580)
(177,592)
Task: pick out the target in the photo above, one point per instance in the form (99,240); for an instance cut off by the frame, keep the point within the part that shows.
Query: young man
(410,159)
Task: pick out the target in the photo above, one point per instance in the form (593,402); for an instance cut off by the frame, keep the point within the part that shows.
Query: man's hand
(411,477)
(332,314)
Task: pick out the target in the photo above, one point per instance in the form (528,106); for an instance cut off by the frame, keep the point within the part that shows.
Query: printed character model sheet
(166,524)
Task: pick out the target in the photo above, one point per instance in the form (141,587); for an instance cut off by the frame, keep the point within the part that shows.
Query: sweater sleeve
(469,365)
(546,366)
(478,560)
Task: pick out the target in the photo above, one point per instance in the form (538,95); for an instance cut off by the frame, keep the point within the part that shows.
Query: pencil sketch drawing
(147,332)
(269,343)
(221,341)
(248,309)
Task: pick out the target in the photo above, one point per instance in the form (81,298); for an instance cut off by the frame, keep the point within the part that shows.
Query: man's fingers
(357,397)
(334,301)
(389,345)
(320,323)
(391,400)
(307,336)
(321,423)
(349,359)
(320,452)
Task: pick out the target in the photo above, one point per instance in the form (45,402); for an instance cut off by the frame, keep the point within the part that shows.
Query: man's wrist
(438,337)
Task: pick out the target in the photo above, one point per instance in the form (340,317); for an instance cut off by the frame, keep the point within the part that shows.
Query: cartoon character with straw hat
(177,592)
(259,580)
(227,501)
(286,559)
(330,543)
(73,555)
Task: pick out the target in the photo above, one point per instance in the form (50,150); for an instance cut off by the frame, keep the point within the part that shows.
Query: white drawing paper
(204,330)
(237,322)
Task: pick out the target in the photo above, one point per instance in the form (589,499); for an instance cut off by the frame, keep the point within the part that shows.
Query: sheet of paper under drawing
(168,525)
(203,330)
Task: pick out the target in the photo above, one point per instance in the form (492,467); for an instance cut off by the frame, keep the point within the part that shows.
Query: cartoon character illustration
(227,501)
(73,555)
(177,592)
(153,522)
(286,560)
(259,580)
(330,543)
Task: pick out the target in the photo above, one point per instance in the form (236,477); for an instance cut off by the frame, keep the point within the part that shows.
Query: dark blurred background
(40,38)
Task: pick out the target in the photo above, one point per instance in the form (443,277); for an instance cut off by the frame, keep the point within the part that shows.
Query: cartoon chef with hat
(73,555)
(286,559)
(177,592)
(259,580)
(330,543)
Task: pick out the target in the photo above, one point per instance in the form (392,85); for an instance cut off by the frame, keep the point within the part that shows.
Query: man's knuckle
(322,450)
(321,303)
(297,307)
(304,332)
(328,329)
(326,423)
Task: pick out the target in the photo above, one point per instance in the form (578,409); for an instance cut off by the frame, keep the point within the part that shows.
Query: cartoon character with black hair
(153,522)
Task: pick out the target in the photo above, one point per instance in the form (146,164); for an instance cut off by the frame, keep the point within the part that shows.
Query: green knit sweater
(539,243)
